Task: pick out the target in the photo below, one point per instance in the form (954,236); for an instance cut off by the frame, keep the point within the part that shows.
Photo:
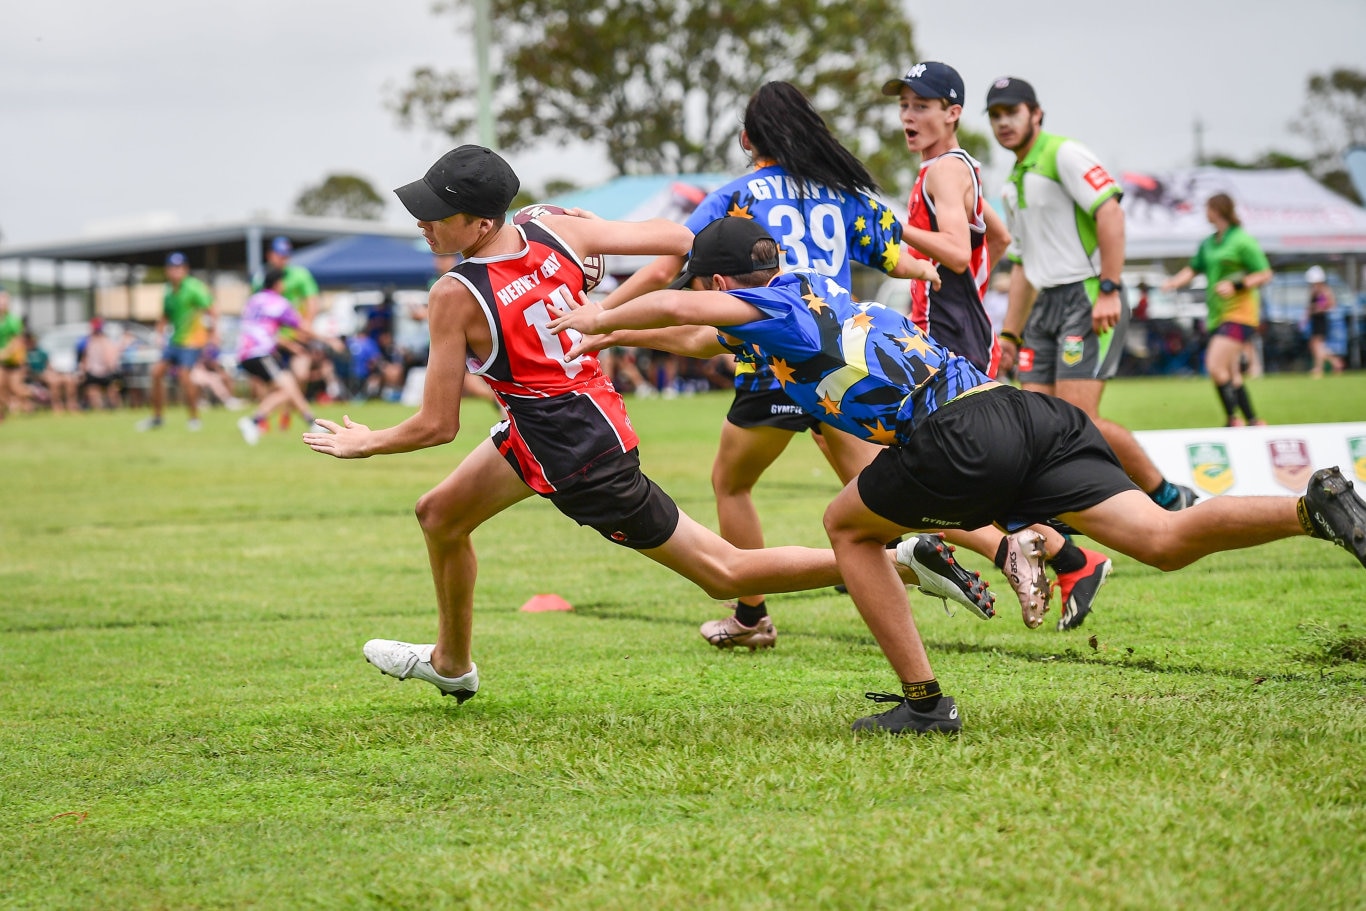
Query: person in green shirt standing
(189,311)
(1235,267)
(13,390)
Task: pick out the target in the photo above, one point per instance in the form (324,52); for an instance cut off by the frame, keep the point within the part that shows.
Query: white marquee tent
(1287,211)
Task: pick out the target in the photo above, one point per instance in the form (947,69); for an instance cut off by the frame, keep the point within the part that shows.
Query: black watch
(1107,286)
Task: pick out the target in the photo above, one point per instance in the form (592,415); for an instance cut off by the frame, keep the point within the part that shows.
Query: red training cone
(539,604)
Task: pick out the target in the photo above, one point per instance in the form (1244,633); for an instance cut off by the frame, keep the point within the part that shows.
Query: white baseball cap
(1315,274)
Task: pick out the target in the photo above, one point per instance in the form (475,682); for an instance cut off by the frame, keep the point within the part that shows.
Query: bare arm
(587,234)
(998,235)
(1021,301)
(651,277)
(1179,280)
(949,184)
(437,421)
(689,341)
(908,266)
(1110,237)
(1227,288)
(660,309)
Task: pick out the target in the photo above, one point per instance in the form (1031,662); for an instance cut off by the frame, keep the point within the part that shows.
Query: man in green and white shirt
(1065,323)
(189,315)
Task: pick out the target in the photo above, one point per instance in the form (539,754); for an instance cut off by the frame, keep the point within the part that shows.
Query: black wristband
(1239,285)
(1011,337)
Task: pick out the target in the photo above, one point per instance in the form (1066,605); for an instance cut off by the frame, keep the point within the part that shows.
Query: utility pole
(483,32)
(1199,142)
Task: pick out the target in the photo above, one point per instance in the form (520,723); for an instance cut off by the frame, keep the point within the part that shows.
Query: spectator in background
(1235,267)
(13,390)
(188,310)
(212,377)
(46,385)
(1321,303)
(99,367)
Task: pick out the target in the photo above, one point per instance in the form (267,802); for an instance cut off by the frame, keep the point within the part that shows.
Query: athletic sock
(1166,494)
(923,695)
(1229,397)
(1068,560)
(750,614)
(1245,404)
(1311,527)
(1000,558)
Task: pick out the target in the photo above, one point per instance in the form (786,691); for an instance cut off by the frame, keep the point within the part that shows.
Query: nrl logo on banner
(1290,463)
(1357,447)
(1210,467)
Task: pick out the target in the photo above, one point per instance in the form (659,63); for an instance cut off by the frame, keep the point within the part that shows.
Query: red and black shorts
(1239,332)
(615,498)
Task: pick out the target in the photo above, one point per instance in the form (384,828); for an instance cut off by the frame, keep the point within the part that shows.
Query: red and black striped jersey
(953,316)
(563,415)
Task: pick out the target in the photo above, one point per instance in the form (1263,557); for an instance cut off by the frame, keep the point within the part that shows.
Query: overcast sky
(153,110)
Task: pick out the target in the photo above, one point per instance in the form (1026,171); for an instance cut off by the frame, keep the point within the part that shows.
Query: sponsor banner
(1256,461)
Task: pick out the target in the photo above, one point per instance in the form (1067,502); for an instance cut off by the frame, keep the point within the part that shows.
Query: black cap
(931,79)
(470,180)
(726,247)
(1011,91)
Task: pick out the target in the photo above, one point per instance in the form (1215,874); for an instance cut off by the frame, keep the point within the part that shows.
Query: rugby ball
(594,265)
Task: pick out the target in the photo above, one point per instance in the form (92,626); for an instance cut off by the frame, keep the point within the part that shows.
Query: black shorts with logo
(613,496)
(1060,343)
(1002,456)
(265,368)
(770,408)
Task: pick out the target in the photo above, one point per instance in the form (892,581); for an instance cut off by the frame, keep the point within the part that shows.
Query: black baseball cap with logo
(1010,91)
(726,247)
(470,180)
(930,79)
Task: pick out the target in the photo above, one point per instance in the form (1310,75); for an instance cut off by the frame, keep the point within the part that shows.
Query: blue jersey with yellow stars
(816,228)
(861,367)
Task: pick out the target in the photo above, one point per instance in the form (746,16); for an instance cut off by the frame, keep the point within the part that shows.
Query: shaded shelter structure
(122,259)
(368,260)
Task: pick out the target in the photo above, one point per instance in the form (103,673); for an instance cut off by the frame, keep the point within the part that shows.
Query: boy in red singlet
(950,224)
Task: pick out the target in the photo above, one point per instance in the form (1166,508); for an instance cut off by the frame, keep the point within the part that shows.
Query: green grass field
(186,720)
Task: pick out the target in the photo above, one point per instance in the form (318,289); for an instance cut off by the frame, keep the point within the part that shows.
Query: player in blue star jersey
(817,200)
(964,451)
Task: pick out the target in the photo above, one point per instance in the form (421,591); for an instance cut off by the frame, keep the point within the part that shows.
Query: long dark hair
(782,125)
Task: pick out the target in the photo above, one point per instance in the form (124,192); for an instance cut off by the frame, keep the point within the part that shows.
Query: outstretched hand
(580,320)
(344,440)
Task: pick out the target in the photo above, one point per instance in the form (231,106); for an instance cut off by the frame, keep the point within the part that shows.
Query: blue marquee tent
(368,259)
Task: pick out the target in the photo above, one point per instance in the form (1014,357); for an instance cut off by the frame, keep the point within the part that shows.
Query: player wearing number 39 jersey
(816,200)
(566,437)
